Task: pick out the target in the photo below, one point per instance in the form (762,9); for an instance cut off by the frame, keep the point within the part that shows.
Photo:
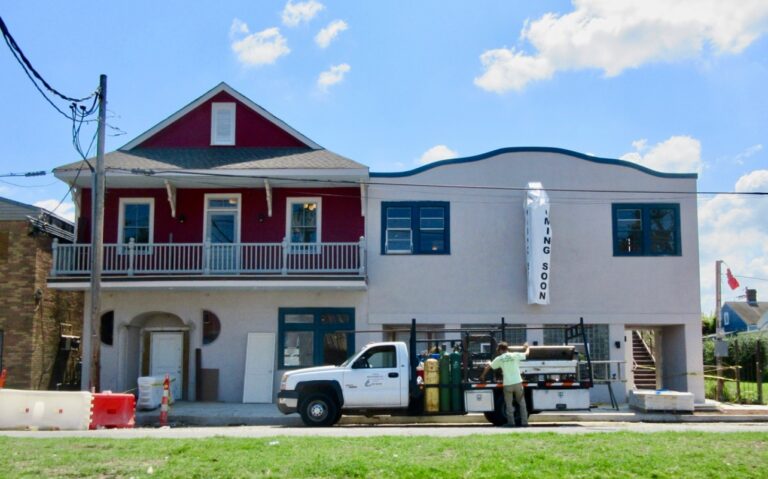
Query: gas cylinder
(456,397)
(420,374)
(431,376)
(445,381)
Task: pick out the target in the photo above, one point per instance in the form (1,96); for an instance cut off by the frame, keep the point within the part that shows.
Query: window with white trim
(415,227)
(136,220)
(223,123)
(303,220)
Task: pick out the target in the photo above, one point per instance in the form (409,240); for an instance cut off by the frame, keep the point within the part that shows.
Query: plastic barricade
(150,392)
(113,411)
(61,410)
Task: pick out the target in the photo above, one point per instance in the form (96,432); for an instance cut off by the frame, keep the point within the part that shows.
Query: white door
(165,357)
(259,368)
(374,379)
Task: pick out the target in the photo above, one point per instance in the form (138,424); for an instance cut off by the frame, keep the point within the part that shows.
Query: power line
(26,174)
(150,172)
(27,66)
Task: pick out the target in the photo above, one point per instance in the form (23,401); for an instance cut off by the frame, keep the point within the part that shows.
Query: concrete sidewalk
(233,414)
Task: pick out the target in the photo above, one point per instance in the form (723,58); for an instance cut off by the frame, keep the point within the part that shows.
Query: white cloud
(325,36)
(332,76)
(436,153)
(295,13)
(260,48)
(732,228)
(751,151)
(613,36)
(678,154)
(65,210)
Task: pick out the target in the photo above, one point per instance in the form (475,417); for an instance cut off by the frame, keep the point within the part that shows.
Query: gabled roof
(224,158)
(221,87)
(748,313)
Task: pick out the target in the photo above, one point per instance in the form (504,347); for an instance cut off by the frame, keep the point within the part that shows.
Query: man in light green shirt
(509,363)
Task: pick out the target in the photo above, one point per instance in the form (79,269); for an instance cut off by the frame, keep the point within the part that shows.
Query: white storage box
(60,410)
(151,392)
(479,400)
(560,399)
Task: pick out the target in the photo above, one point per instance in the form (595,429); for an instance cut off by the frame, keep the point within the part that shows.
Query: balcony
(201,261)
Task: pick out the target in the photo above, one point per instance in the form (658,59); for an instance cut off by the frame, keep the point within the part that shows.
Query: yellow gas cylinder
(432,394)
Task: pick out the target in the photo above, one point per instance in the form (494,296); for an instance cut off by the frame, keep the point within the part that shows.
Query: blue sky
(393,84)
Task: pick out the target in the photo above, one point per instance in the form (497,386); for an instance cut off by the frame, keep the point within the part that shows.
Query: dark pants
(512,393)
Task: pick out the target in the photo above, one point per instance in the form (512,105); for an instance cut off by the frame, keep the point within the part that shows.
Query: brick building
(34,318)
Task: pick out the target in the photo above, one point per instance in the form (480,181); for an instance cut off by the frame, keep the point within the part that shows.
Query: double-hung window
(303,223)
(646,229)
(415,227)
(136,220)
(315,336)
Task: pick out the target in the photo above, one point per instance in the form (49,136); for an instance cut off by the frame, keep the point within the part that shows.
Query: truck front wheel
(319,410)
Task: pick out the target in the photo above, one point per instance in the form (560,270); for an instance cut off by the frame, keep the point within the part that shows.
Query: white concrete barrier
(63,410)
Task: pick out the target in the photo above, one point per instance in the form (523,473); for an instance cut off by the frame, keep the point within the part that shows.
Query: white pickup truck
(384,378)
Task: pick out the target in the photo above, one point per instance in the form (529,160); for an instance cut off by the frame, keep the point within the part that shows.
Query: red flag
(732,282)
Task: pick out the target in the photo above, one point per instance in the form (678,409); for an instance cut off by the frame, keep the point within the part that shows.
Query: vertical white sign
(538,243)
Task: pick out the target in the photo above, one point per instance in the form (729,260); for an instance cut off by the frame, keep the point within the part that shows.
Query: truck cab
(377,377)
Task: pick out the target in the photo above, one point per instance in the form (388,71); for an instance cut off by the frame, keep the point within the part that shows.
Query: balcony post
(131,256)
(285,255)
(206,258)
(54,256)
(361,252)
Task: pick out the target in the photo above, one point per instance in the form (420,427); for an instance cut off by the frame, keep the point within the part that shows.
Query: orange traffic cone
(164,402)
(2,378)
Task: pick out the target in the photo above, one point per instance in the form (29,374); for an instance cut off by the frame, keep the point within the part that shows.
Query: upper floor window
(304,220)
(648,229)
(136,220)
(415,227)
(223,123)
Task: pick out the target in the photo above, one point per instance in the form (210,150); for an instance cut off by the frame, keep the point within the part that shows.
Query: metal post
(737,371)
(718,331)
(91,342)
(759,367)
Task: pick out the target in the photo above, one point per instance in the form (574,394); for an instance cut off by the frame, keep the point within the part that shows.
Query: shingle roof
(222,158)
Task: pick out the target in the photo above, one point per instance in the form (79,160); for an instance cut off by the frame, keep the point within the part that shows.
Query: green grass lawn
(630,455)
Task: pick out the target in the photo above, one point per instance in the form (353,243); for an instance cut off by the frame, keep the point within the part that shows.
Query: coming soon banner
(538,243)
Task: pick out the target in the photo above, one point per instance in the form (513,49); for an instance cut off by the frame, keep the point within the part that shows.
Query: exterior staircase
(643,364)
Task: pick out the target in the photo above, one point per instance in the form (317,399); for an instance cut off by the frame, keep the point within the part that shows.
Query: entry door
(222,231)
(374,380)
(166,357)
(259,368)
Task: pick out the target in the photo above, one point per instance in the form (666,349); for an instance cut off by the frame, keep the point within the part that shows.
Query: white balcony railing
(213,258)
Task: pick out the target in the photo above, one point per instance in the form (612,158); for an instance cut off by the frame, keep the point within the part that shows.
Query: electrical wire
(677,194)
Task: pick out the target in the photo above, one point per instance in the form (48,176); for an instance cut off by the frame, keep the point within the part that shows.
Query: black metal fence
(742,375)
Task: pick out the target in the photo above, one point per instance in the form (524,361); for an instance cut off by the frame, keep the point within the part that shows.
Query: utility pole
(718,330)
(91,330)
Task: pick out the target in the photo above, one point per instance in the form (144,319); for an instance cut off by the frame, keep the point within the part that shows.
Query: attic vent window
(223,124)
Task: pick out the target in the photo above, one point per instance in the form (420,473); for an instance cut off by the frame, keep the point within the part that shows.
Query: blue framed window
(646,229)
(415,227)
(315,336)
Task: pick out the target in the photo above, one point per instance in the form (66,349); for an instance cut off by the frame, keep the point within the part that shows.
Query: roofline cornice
(532,149)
